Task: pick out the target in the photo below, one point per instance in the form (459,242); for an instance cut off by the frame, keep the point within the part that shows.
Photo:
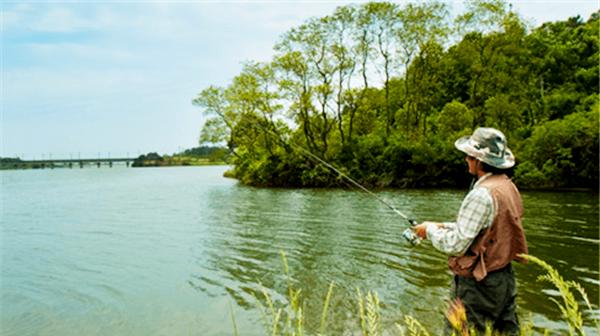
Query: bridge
(70,163)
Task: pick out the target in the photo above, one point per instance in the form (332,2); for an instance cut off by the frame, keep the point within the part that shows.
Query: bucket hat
(487,145)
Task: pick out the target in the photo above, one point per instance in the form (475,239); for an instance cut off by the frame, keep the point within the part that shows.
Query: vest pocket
(466,262)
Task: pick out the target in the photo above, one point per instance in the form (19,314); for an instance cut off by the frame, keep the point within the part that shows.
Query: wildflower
(457,316)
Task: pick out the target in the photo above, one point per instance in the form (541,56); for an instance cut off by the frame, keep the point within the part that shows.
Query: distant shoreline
(89,166)
(199,156)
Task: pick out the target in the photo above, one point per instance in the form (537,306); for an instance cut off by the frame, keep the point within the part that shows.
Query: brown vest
(496,246)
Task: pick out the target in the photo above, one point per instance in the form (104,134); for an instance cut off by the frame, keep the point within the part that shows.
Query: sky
(116,78)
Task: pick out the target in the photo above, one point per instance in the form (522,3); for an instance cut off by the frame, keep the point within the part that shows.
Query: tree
(564,151)
(382,17)
(253,93)
(310,41)
(454,117)
(219,127)
(419,36)
(322,92)
(340,28)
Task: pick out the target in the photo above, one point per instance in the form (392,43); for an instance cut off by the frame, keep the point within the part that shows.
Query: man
(486,236)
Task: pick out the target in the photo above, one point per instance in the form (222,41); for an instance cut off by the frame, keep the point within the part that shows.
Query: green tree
(222,119)
(341,28)
(422,30)
(455,117)
(563,152)
(376,90)
(383,21)
(311,41)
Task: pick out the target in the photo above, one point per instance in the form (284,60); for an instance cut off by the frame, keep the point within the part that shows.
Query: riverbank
(339,183)
(199,156)
(175,161)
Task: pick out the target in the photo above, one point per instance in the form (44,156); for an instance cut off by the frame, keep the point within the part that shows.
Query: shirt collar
(482,178)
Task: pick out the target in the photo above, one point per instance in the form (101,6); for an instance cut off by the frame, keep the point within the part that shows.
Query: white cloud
(93,65)
(60,20)
(44,18)
(78,52)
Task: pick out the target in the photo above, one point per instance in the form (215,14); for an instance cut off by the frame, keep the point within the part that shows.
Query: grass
(569,307)
(288,319)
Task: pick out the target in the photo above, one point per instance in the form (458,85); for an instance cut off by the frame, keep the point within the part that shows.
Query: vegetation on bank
(382,90)
(14,163)
(287,318)
(199,156)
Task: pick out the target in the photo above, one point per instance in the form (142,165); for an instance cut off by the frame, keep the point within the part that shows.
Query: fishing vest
(499,244)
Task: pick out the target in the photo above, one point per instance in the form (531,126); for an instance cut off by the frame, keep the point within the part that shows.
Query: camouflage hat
(487,145)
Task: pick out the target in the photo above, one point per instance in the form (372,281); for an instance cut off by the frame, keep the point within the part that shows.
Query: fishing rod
(408,234)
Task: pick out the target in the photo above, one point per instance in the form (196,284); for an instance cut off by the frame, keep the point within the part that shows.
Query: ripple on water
(138,252)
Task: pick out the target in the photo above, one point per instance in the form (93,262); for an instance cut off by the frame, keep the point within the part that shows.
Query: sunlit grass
(569,308)
(288,319)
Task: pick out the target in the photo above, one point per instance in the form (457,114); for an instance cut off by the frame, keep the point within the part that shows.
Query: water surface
(166,251)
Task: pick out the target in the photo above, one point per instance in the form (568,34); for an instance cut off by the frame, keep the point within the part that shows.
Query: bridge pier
(71,163)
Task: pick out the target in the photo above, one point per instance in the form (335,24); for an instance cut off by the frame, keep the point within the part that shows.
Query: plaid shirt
(476,213)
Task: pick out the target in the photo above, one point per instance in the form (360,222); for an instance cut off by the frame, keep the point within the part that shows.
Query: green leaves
(375,89)
(562,153)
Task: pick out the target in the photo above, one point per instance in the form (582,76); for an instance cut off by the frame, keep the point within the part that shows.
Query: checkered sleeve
(476,213)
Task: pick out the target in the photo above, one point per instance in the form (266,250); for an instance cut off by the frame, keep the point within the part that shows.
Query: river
(173,251)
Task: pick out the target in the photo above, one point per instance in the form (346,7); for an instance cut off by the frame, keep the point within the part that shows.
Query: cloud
(79,52)
(47,18)
(103,63)
(61,20)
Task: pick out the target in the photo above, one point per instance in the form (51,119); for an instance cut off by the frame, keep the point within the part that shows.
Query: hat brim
(467,146)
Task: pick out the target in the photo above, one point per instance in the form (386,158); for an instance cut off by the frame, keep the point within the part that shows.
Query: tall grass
(288,319)
(369,313)
(569,307)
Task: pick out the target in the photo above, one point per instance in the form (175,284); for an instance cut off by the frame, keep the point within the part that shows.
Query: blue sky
(117,78)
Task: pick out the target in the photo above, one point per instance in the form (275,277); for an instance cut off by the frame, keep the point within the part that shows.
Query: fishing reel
(410,235)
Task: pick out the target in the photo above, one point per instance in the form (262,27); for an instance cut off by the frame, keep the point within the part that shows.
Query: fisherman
(486,236)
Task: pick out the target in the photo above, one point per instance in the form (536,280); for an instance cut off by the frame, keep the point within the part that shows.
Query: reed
(288,319)
(369,313)
(324,314)
(569,307)
(235,328)
(413,327)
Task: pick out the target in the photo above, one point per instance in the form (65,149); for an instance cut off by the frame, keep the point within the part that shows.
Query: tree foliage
(381,90)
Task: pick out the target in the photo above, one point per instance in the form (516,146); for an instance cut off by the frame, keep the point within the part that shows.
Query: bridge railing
(70,163)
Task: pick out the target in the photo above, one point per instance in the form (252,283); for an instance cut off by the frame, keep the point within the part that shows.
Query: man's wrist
(431,227)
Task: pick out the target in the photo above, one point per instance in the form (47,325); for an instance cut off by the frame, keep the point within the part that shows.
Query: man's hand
(421,229)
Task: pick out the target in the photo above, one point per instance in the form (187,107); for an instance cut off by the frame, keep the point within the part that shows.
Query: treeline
(13,163)
(197,156)
(381,90)
(212,153)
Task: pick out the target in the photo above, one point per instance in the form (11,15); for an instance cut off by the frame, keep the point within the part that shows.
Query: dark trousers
(490,301)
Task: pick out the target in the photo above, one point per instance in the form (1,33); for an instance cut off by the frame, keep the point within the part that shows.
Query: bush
(565,151)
